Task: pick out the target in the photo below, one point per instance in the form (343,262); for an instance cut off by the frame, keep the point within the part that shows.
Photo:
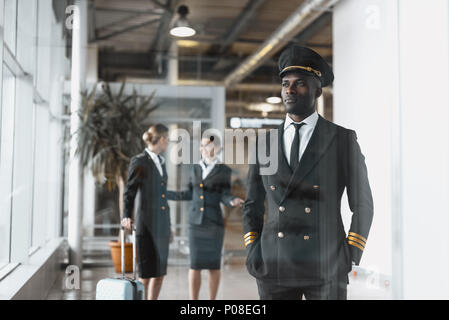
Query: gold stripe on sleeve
(357,240)
(247,243)
(248,234)
(355,244)
(357,236)
(250,238)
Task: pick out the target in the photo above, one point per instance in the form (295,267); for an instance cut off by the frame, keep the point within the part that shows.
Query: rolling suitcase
(122,288)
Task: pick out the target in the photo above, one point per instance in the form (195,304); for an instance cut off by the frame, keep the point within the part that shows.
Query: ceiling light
(273,100)
(261,107)
(181,27)
(254,122)
(265,107)
(188,43)
(235,123)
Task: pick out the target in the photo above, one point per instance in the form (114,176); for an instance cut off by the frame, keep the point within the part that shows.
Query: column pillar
(172,64)
(76,172)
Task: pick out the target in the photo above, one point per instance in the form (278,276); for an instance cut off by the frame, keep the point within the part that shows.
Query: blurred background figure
(210,184)
(147,175)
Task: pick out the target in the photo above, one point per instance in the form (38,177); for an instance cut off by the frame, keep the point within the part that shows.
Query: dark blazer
(303,240)
(152,210)
(206,194)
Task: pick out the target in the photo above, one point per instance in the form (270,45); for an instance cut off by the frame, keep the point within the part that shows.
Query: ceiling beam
(160,4)
(240,24)
(313,29)
(128,11)
(162,39)
(299,20)
(118,22)
(127,29)
(188,65)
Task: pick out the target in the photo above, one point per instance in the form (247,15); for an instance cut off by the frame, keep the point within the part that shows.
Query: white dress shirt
(156,161)
(305,132)
(208,169)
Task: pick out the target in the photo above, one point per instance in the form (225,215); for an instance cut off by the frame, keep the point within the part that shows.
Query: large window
(32,66)
(10,20)
(6,161)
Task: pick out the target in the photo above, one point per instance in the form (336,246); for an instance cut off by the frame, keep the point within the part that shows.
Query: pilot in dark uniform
(302,248)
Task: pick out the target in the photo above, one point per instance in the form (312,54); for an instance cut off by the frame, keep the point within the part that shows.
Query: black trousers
(333,290)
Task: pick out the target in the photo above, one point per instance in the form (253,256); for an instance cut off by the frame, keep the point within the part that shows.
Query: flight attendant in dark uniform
(210,184)
(147,175)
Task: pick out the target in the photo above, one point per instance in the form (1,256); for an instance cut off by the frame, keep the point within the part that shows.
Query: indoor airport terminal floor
(224,150)
(235,283)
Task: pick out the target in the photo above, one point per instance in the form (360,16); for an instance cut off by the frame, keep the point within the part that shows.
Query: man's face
(299,93)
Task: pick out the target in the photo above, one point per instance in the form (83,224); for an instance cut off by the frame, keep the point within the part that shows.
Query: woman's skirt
(152,254)
(206,243)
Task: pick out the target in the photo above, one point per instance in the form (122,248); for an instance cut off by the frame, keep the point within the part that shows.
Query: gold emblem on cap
(309,69)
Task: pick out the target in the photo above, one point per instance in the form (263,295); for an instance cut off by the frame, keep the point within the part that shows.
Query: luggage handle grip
(122,236)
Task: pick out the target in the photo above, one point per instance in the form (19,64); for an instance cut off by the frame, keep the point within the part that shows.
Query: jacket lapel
(321,138)
(197,172)
(152,164)
(214,171)
(164,172)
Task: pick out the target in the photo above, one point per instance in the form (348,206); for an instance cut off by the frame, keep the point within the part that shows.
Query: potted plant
(110,134)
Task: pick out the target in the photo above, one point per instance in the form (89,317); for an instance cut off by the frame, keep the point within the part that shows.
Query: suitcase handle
(133,240)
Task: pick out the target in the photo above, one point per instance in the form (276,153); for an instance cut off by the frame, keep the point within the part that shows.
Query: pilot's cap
(305,60)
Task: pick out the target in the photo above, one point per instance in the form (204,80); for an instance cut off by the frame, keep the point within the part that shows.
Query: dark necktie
(294,151)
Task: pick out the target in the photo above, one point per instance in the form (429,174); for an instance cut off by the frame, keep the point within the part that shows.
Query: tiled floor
(236,283)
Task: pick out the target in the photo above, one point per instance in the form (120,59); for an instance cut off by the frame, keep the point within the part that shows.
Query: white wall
(364,93)
(424,100)
(391,64)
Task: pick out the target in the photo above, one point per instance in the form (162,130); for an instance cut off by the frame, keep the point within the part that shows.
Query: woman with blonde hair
(147,175)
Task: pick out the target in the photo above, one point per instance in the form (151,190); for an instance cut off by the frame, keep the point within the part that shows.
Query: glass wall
(6,157)
(32,52)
